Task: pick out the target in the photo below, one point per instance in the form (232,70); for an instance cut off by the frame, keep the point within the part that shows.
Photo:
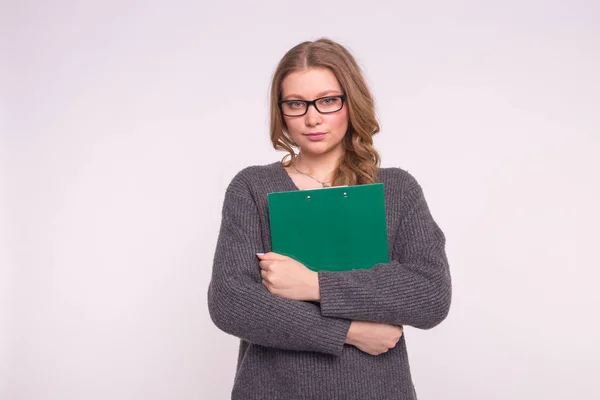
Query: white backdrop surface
(123,122)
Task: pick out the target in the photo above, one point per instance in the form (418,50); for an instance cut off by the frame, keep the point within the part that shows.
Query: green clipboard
(331,229)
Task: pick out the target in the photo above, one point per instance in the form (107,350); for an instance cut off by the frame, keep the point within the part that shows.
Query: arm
(238,302)
(414,289)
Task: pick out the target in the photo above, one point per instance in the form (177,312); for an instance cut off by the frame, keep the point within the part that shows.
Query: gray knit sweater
(295,349)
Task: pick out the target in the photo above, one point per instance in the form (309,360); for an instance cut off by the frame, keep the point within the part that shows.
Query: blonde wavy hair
(360,163)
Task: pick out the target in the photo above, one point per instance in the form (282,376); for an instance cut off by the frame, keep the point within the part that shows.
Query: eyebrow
(325,93)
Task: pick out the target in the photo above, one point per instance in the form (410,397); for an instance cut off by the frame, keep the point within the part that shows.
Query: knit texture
(295,349)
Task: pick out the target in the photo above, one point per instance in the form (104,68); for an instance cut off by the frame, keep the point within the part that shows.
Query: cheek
(293,124)
(339,121)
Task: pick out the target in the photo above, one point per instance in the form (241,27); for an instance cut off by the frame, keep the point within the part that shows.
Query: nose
(312,116)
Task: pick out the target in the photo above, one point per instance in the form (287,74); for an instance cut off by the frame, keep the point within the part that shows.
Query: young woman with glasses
(324,335)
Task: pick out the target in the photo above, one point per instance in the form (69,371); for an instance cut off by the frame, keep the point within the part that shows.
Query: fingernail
(260,254)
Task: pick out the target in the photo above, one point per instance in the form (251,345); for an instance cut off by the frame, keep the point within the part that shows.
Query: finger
(277,256)
(271,256)
(265,265)
(267,256)
(263,275)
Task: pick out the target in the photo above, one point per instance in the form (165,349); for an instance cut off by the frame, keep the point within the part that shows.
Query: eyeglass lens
(323,105)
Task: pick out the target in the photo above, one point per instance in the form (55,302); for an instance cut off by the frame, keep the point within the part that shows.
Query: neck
(320,166)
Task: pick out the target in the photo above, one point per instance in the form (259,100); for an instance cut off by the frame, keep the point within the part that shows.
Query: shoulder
(261,169)
(398,179)
(257,172)
(402,190)
(243,181)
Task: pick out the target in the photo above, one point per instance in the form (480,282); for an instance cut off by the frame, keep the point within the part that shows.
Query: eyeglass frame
(314,104)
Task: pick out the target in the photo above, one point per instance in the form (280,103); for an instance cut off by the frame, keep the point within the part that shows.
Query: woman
(325,335)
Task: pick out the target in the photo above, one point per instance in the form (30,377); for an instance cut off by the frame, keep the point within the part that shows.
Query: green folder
(331,229)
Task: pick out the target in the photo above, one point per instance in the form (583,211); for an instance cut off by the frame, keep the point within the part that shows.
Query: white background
(122,123)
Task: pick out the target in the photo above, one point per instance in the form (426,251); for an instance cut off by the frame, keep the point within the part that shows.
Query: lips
(316,135)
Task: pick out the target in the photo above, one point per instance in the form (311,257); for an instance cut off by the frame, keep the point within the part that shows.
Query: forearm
(251,313)
(394,293)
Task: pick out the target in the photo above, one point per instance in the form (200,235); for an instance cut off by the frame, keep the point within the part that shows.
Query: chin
(317,148)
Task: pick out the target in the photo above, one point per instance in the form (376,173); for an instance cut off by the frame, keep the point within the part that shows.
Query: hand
(374,338)
(286,277)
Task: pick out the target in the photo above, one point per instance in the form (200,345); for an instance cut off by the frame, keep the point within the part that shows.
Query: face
(330,128)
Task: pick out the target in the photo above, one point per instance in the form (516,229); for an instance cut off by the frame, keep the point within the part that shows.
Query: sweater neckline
(289,181)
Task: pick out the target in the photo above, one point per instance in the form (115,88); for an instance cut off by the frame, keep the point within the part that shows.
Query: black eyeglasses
(324,105)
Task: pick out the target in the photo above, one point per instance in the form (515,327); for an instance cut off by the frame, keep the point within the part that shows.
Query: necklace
(324,184)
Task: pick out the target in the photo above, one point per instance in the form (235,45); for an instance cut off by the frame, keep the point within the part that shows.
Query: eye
(330,103)
(295,104)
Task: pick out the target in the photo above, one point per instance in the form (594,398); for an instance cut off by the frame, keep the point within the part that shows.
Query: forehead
(310,83)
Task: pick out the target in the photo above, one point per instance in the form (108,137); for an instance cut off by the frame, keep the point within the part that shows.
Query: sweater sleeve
(238,302)
(413,289)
